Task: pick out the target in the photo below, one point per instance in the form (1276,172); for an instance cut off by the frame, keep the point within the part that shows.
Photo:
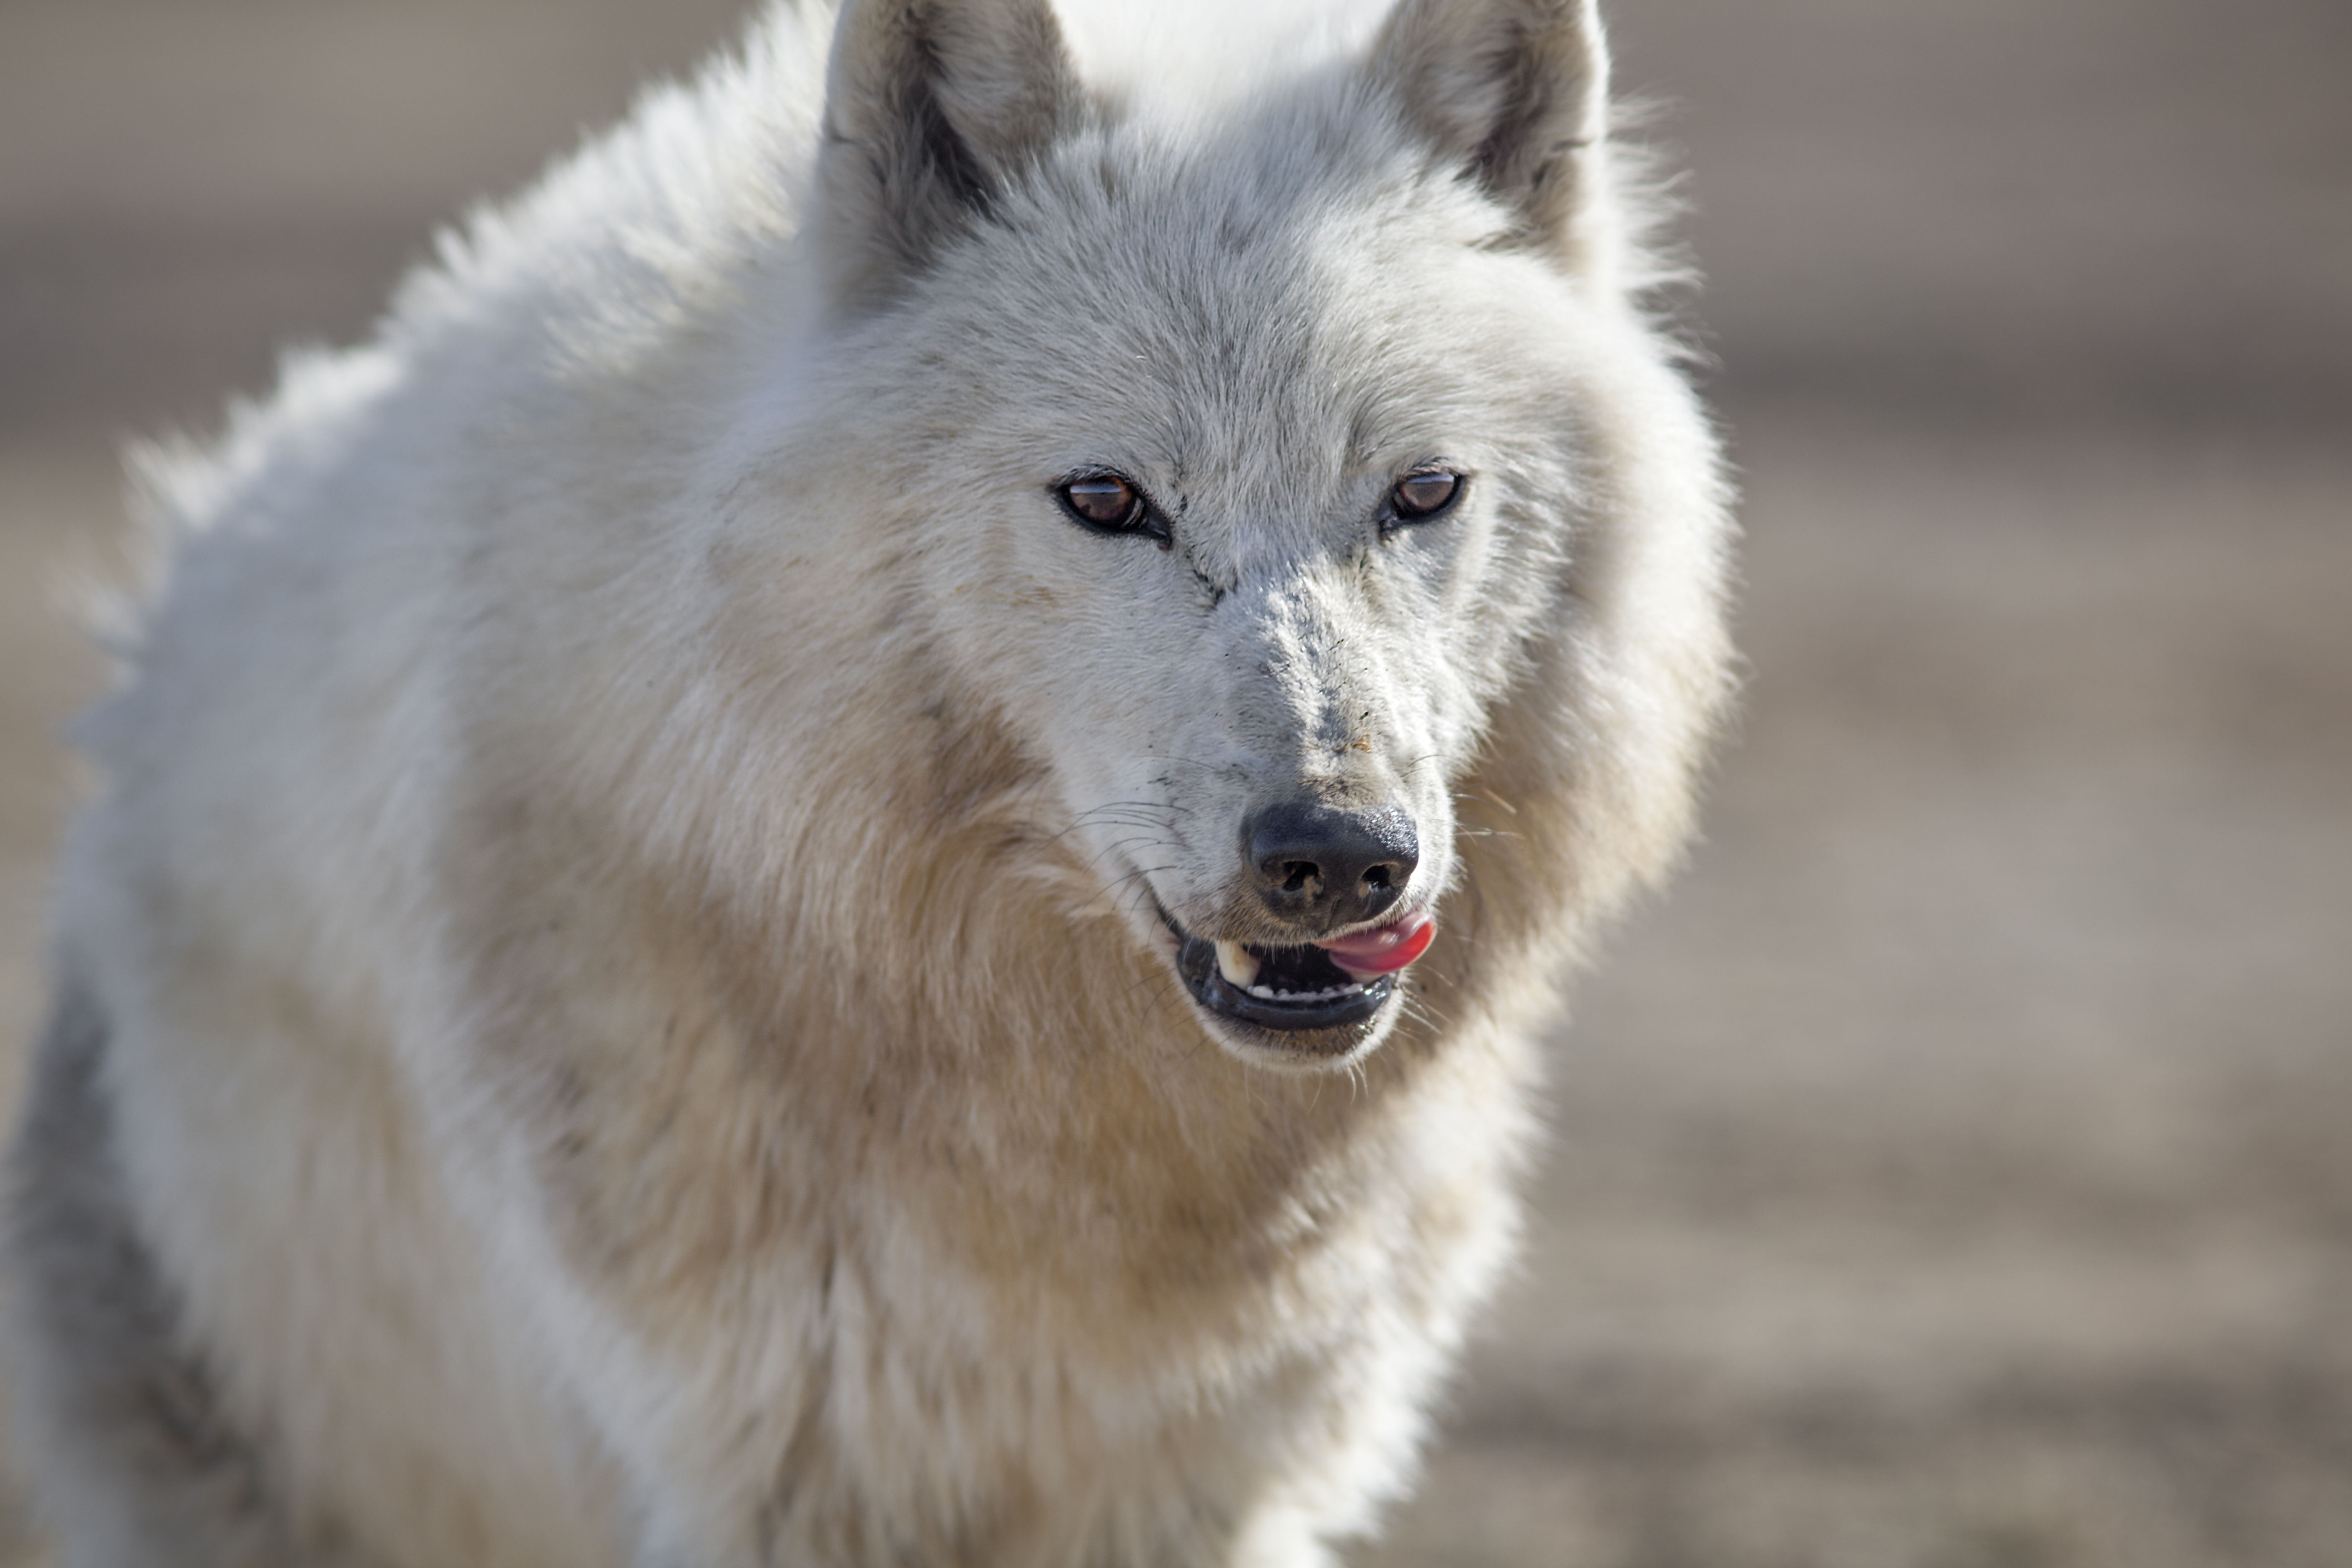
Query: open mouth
(1318,985)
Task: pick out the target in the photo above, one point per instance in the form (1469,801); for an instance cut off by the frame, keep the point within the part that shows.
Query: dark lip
(1196,960)
(1196,963)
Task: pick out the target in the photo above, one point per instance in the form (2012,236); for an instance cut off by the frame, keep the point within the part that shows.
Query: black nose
(1337,866)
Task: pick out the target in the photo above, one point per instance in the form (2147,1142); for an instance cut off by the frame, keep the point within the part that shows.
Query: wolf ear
(932,109)
(1516,94)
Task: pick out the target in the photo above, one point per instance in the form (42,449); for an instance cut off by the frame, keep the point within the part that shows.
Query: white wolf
(757,893)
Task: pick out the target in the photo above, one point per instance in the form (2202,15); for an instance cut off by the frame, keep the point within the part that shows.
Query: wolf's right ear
(932,109)
(1515,94)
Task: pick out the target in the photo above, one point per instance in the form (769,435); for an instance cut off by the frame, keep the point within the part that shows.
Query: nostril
(1331,862)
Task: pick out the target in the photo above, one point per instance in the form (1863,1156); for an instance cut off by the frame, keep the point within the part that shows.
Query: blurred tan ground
(1956,1169)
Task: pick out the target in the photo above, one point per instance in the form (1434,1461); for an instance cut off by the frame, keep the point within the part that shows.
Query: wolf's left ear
(1516,94)
(932,109)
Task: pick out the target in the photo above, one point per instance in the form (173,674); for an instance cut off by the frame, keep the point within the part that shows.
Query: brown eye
(1106,500)
(1425,494)
(1108,503)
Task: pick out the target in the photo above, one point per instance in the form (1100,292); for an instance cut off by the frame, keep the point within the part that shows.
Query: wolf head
(1276,479)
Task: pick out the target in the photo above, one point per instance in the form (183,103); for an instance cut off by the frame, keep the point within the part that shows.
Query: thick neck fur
(916,976)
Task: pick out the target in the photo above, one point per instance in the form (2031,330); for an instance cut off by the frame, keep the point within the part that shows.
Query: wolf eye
(1111,504)
(1425,494)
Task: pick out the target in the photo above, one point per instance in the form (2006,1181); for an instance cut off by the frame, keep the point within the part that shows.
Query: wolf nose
(1341,867)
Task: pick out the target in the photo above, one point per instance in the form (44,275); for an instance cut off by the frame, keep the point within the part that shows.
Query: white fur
(624,903)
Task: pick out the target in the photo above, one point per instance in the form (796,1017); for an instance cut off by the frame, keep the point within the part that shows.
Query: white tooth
(1234,962)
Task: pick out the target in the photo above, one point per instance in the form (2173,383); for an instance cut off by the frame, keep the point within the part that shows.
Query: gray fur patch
(122,1407)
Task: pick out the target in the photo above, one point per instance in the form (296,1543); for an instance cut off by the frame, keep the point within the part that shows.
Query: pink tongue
(1385,951)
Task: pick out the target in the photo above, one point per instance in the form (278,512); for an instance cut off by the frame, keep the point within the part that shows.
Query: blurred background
(1956,1169)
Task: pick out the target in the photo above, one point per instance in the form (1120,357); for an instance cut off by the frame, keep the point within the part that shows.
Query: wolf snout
(1327,866)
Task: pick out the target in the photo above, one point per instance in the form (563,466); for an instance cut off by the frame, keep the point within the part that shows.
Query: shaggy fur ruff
(619,1003)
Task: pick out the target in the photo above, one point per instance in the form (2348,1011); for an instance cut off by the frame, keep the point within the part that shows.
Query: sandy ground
(1954,1172)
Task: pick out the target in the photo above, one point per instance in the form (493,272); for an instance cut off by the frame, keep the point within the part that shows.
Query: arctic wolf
(850,858)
